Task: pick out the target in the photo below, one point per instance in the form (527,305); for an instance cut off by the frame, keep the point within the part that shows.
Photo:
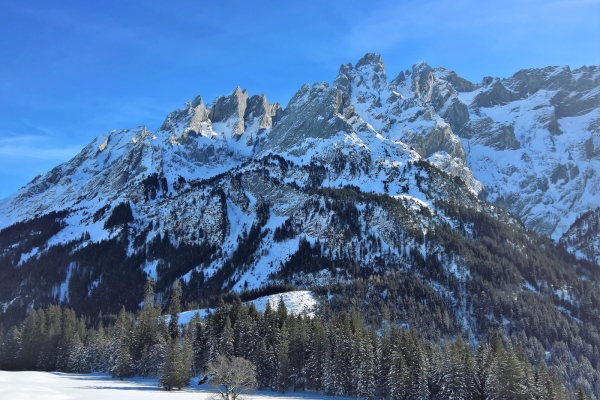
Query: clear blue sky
(70,70)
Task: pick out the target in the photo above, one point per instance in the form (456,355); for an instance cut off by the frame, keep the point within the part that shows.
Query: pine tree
(78,357)
(226,345)
(515,382)
(175,371)
(539,391)
(365,389)
(580,394)
(167,374)
(174,310)
(183,363)
(147,336)
(384,354)
(482,369)
(68,331)
(32,331)
(418,366)
(398,377)
(318,352)
(282,378)
(201,347)
(12,350)
(123,366)
(298,357)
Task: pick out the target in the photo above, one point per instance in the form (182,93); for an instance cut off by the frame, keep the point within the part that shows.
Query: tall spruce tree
(123,364)
(174,310)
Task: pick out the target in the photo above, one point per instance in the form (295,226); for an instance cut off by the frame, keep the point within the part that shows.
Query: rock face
(530,141)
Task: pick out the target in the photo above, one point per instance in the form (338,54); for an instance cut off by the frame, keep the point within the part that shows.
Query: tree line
(337,355)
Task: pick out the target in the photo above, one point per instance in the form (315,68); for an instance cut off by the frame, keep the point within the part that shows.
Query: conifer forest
(337,354)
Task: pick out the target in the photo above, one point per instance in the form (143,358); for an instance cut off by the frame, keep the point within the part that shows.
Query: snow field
(26,385)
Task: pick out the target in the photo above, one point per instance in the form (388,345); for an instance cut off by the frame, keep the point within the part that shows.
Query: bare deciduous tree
(231,376)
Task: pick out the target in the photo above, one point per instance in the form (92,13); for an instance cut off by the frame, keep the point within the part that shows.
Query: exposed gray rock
(259,107)
(398,81)
(422,81)
(232,106)
(494,94)
(459,83)
(492,134)
(311,114)
(457,115)
(440,138)
(374,64)
(191,116)
(543,178)
(564,173)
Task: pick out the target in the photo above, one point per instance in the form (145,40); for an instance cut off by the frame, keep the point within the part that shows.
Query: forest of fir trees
(340,356)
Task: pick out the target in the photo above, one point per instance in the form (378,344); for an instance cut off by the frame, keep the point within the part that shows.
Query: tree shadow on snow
(138,388)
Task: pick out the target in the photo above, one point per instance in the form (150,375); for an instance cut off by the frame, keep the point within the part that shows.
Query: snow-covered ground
(296,303)
(57,386)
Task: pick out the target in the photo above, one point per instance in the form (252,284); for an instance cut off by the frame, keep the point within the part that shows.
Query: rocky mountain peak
(373,60)
(422,80)
(232,107)
(259,107)
(372,69)
(460,84)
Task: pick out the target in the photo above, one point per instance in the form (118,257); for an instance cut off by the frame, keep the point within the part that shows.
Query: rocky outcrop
(493,94)
(231,108)
(259,107)
(440,138)
(492,134)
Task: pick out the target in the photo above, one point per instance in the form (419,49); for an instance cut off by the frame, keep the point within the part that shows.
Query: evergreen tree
(318,353)
(398,377)
(148,335)
(167,376)
(174,310)
(418,366)
(123,365)
(47,359)
(482,369)
(32,333)
(515,382)
(12,350)
(298,352)
(365,389)
(200,347)
(226,345)
(580,394)
(176,369)
(283,364)
(79,361)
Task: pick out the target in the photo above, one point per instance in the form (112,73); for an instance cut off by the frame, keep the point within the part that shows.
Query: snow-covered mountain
(367,177)
(529,143)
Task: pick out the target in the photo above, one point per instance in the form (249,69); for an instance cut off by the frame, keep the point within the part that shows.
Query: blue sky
(70,70)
